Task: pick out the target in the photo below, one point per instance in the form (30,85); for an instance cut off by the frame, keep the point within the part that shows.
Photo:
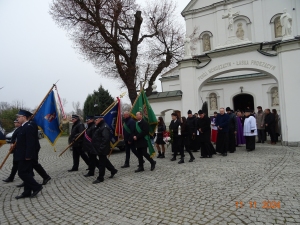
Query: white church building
(245,53)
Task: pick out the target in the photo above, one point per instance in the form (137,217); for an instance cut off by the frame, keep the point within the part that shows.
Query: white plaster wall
(171,85)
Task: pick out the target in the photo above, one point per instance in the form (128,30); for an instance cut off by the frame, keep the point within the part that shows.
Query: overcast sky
(35,53)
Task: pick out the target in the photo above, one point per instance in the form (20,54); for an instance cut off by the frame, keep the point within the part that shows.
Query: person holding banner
(25,153)
(142,141)
(77,128)
(128,129)
(101,147)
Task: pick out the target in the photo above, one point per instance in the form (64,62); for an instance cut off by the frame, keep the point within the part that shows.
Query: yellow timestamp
(264,204)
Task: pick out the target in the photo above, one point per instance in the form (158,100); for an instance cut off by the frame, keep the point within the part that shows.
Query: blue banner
(47,119)
(2,139)
(111,119)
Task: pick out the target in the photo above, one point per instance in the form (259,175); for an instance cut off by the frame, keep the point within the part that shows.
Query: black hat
(228,109)
(190,111)
(259,107)
(89,118)
(174,114)
(75,116)
(249,110)
(98,116)
(23,112)
(200,112)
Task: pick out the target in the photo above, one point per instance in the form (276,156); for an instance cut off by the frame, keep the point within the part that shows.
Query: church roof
(165,94)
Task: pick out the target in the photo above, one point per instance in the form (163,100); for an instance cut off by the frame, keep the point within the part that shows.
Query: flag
(62,111)
(119,124)
(110,118)
(2,139)
(142,104)
(47,119)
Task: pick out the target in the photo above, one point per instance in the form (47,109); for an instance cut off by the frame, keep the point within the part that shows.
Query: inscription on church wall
(237,64)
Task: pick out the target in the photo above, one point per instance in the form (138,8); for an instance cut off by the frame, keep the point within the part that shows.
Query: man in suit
(25,153)
(128,129)
(140,135)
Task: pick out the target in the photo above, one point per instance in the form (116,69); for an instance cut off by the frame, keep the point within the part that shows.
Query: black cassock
(204,138)
(176,139)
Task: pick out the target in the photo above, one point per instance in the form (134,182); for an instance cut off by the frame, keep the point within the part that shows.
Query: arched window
(276,27)
(242,27)
(206,41)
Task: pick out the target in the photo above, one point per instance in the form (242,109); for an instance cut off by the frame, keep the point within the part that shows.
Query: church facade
(238,53)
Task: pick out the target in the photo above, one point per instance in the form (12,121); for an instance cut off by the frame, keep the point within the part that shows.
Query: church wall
(171,85)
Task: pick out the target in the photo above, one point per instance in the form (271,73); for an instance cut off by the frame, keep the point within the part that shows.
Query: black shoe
(191,159)
(125,166)
(258,142)
(139,170)
(181,161)
(112,174)
(36,192)
(20,185)
(173,159)
(7,180)
(45,181)
(22,196)
(153,165)
(88,175)
(72,170)
(203,157)
(195,150)
(159,155)
(210,156)
(162,156)
(262,142)
(98,181)
(224,154)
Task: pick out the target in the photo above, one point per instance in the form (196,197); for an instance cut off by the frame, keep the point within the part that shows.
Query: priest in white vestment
(250,130)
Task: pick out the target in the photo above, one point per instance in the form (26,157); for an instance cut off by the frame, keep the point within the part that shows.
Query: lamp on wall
(241,89)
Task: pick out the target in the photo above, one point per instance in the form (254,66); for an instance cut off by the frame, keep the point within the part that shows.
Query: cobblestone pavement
(208,191)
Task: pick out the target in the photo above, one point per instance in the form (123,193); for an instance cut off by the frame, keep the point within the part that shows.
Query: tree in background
(97,102)
(8,116)
(123,40)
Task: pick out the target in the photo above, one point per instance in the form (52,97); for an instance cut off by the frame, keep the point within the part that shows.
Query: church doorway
(242,102)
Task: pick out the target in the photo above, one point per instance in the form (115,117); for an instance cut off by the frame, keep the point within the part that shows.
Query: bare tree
(125,107)
(64,102)
(114,36)
(77,109)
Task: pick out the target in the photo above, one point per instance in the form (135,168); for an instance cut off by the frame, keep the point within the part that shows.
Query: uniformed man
(139,136)
(128,129)
(14,168)
(77,129)
(101,147)
(87,145)
(25,153)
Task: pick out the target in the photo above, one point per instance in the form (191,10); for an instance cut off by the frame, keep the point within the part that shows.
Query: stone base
(284,38)
(232,41)
(291,143)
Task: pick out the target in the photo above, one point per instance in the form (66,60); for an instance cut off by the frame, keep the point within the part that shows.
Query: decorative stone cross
(230,16)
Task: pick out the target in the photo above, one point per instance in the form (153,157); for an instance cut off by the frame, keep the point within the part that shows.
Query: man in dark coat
(175,123)
(270,125)
(140,135)
(128,129)
(87,145)
(232,130)
(191,121)
(203,126)
(77,128)
(222,123)
(25,153)
(101,147)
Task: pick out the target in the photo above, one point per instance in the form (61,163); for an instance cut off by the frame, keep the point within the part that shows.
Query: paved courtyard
(259,187)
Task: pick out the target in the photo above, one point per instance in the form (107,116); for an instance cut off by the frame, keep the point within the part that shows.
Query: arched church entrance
(242,102)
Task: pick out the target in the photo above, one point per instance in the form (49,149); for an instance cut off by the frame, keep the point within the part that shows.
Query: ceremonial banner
(142,104)
(119,123)
(110,118)
(47,119)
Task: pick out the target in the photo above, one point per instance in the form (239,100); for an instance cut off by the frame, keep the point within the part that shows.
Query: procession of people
(226,129)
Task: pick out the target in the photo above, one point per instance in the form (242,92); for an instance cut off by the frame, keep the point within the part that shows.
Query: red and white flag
(119,124)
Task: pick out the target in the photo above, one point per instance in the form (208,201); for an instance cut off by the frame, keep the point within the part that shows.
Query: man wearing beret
(25,153)
(101,147)
(77,129)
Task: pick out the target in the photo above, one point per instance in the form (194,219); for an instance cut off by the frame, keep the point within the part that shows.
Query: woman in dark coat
(161,128)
